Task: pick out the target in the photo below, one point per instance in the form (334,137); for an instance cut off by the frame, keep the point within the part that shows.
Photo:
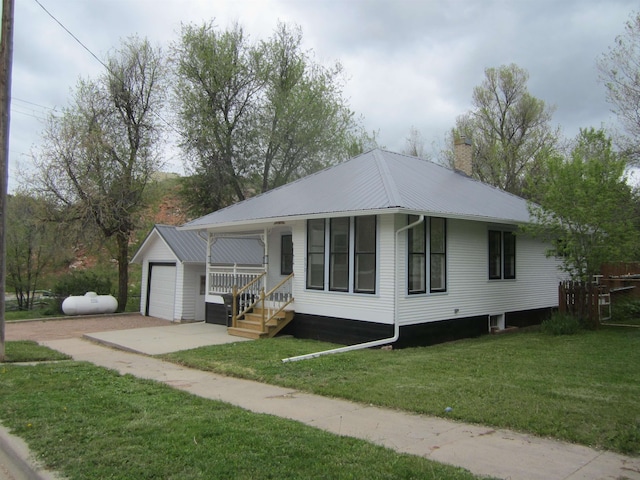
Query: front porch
(255,309)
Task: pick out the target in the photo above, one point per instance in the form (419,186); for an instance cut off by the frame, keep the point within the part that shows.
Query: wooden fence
(587,301)
(622,278)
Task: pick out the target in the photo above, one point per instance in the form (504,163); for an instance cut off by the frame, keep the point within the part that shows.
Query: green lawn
(582,388)
(91,423)
(28,351)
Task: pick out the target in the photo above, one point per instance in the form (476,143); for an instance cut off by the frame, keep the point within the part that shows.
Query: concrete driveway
(167,339)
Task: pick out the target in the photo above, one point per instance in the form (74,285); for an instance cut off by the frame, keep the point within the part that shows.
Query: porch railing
(223,278)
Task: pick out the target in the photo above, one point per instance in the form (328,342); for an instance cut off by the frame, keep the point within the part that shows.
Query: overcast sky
(408,62)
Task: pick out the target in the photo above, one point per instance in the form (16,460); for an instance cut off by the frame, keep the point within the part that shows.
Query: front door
(200,298)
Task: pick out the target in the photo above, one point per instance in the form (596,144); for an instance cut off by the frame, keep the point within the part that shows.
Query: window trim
(505,262)
(285,256)
(428,255)
(411,254)
(360,254)
(310,222)
(333,253)
(442,254)
(354,255)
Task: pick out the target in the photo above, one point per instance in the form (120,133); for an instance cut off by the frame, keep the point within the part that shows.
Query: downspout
(396,326)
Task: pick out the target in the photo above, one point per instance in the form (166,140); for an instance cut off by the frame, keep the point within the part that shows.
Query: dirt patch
(69,327)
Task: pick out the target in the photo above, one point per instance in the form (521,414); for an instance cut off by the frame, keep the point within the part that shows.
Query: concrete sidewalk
(482,450)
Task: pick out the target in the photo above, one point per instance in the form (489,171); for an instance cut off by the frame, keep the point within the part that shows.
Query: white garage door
(162,291)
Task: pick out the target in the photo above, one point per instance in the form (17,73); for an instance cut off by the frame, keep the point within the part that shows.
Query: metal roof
(241,251)
(189,247)
(375,181)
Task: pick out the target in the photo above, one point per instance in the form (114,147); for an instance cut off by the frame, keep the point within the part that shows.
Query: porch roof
(374,182)
(190,247)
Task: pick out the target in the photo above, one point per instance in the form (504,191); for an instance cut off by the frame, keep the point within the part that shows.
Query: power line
(73,36)
(28,114)
(34,104)
(98,59)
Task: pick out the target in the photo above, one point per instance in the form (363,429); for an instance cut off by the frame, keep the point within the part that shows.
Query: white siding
(469,291)
(187,280)
(179,303)
(374,308)
(274,246)
(190,290)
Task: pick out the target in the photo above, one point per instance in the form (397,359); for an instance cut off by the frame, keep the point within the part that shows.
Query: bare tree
(415,144)
(34,247)
(619,69)
(98,157)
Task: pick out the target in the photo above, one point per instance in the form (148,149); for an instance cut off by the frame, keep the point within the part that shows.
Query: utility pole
(6,57)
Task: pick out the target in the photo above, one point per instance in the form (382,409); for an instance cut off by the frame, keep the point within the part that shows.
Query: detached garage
(174,270)
(173,274)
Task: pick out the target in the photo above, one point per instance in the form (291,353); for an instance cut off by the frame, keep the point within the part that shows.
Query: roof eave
(272,221)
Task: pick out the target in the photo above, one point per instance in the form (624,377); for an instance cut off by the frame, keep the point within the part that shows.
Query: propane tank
(89,304)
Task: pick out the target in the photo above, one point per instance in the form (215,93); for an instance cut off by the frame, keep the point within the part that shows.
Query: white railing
(222,279)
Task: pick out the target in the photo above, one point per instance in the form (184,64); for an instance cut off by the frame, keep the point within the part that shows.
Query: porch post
(208,263)
(265,258)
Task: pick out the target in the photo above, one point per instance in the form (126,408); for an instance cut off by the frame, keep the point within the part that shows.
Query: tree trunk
(123,270)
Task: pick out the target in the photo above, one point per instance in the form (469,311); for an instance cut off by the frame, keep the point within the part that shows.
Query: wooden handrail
(279,285)
(243,289)
(262,298)
(235,293)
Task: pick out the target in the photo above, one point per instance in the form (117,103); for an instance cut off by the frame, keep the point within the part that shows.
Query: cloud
(409,62)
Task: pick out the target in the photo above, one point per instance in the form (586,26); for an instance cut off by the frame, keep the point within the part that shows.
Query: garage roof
(189,247)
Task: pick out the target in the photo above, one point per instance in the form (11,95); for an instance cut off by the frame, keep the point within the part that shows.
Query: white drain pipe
(396,327)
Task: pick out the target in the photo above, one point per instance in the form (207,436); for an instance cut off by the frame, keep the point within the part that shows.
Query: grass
(30,314)
(28,351)
(87,422)
(582,388)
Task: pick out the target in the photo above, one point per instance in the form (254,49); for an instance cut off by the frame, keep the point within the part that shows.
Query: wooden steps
(250,326)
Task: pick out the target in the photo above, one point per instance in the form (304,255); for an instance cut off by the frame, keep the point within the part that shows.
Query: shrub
(561,324)
(79,283)
(624,310)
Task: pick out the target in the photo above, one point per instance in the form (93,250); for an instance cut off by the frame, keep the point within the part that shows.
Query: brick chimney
(462,155)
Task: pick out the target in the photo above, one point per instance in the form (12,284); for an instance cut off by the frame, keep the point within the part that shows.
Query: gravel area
(69,327)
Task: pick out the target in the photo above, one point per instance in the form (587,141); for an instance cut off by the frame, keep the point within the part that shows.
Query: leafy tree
(619,69)
(254,116)
(509,128)
(98,156)
(33,247)
(586,207)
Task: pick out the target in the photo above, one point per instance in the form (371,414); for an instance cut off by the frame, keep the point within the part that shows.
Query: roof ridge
(387,179)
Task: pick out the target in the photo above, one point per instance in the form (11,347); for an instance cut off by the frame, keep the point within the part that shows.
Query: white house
(386,246)
(174,272)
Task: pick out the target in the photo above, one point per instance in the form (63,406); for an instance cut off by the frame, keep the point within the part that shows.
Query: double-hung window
(344,250)
(365,255)
(339,254)
(427,250)
(417,258)
(315,254)
(502,255)
(437,254)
